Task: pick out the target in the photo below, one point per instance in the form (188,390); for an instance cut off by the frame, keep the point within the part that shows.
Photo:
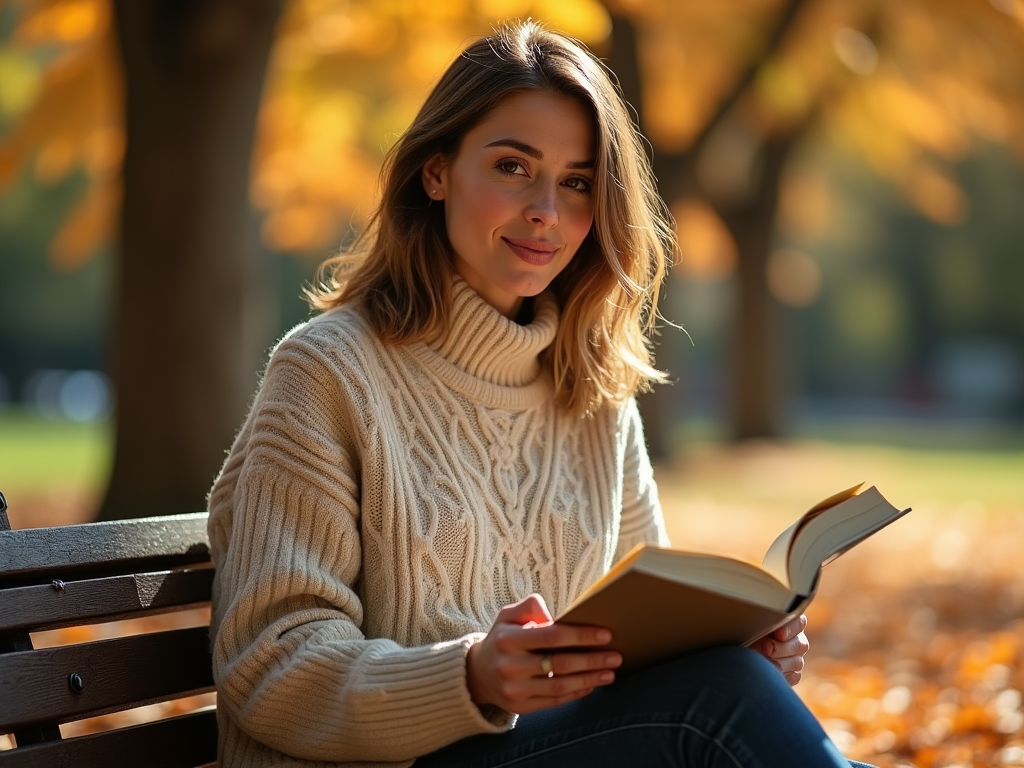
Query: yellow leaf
(19,82)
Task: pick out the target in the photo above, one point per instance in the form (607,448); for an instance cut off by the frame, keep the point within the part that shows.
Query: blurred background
(847,179)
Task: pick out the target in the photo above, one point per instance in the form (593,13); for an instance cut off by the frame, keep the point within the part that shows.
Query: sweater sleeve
(642,521)
(292,667)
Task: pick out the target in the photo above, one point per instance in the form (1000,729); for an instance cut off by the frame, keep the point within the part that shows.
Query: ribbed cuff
(425,690)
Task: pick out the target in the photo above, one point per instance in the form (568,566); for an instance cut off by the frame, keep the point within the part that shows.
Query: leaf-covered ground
(917,635)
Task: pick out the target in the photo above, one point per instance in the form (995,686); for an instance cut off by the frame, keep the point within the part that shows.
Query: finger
(555,636)
(791,628)
(790,665)
(798,646)
(530,610)
(556,687)
(527,642)
(525,666)
(563,664)
(765,646)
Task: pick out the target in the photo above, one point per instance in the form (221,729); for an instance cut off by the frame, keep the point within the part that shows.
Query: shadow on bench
(74,575)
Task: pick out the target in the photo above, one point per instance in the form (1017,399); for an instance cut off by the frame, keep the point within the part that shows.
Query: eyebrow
(536,154)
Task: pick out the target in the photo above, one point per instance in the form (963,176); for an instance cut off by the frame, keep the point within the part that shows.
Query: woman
(450,453)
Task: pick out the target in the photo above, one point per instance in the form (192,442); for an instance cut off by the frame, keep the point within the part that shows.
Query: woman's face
(517,196)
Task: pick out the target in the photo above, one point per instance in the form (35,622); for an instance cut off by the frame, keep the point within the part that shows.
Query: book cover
(660,602)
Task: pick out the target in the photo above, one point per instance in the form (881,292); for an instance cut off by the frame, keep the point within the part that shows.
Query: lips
(536,252)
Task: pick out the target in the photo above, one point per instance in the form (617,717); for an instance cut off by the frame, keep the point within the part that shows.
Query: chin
(528,286)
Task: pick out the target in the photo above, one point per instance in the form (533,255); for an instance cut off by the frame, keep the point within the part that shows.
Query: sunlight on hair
(587,20)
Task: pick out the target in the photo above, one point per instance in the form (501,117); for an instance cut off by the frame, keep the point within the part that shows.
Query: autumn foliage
(917,635)
(913,86)
(918,640)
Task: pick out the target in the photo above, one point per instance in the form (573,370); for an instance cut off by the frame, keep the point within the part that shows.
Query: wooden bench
(88,574)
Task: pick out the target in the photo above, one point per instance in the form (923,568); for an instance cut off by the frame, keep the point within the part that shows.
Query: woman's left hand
(785,648)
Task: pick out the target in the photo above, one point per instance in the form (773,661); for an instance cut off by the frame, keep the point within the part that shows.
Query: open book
(660,603)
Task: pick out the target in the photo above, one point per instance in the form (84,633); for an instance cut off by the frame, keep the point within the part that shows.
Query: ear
(435,177)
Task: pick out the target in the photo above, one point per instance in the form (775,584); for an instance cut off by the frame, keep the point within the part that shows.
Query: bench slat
(188,740)
(44,606)
(22,641)
(41,554)
(117,674)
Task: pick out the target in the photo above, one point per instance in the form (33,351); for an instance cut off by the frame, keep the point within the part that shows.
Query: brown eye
(579,184)
(511,167)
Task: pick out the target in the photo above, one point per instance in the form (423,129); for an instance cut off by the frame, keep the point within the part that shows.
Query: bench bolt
(57,584)
(76,683)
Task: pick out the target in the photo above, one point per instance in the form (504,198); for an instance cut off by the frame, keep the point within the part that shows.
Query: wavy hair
(400,265)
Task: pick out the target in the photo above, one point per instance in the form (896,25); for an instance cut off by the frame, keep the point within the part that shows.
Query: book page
(831,534)
(776,559)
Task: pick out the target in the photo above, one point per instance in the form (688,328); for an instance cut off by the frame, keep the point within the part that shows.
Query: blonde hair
(400,266)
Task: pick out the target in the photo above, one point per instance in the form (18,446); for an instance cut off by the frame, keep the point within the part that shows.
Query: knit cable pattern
(378,508)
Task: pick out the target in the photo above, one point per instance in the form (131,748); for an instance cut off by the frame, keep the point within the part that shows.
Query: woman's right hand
(507,668)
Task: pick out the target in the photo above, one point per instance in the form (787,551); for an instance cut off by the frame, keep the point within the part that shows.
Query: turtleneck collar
(487,345)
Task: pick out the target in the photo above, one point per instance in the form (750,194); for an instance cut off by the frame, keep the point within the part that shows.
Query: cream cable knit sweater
(378,508)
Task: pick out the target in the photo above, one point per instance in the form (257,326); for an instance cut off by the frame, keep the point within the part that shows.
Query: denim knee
(732,679)
(745,671)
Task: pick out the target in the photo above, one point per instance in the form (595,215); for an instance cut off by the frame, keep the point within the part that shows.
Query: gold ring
(545,665)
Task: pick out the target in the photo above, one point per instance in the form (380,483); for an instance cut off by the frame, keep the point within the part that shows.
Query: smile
(536,252)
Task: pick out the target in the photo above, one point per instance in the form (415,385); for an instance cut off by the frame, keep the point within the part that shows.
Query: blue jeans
(723,708)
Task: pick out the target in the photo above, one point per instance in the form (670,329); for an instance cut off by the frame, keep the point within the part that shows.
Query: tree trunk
(755,346)
(182,366)
(755,400)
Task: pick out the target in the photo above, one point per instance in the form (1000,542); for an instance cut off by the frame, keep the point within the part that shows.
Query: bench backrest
(87,574)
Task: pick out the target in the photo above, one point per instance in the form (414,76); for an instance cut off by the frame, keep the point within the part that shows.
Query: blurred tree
(723,91)
(182,368)
(718,164)
(193,74)
(169,157)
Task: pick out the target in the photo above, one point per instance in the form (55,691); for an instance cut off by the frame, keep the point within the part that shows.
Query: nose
(542,207)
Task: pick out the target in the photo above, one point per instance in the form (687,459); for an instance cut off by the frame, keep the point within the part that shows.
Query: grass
(788,469)
(39,455)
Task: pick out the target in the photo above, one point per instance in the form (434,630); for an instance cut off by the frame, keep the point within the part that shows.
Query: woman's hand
(785,648)
(519,668)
